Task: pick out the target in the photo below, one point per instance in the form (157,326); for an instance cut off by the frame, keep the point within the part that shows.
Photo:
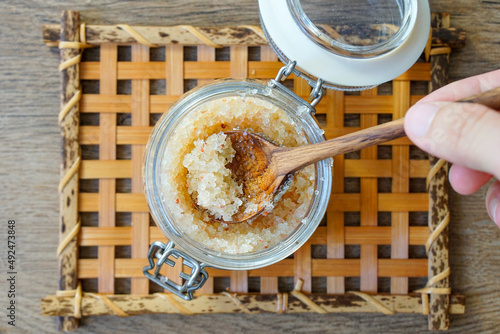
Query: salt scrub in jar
(245,113)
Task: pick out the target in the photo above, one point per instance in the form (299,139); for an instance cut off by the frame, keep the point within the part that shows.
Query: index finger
(465,88)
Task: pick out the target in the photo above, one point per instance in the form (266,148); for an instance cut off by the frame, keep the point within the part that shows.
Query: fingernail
(495,211)
(419,118)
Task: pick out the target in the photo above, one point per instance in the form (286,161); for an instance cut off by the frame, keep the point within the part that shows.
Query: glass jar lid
(350,44)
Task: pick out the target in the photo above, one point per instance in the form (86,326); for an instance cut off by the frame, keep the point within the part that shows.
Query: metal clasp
(316,93)
(192,281)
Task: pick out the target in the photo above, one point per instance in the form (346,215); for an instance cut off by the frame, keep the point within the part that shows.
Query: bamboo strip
(140,220)
(334,133)
(377,104)
(136,35)
(400,184)
(239,69)
(161,36)
(383,168)
(220,303)
(107,151)
(302,257)
(368,208)
(403,202)
(127,202)
(206,54)
(418,72)
(89,135)
(226,36)
(267,284)
(132,268)
(67,258)
(335,235)
(125,135)
(91,103)
(216,69)
(352,235)
(103,169)
(174,57)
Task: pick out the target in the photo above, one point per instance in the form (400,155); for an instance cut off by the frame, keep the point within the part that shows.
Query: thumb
(467,134)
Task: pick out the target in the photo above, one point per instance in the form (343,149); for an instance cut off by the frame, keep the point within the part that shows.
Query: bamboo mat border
(71,37)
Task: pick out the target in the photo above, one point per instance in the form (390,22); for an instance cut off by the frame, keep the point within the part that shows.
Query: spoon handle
(293,159)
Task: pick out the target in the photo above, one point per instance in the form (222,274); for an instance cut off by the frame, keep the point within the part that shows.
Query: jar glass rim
(164,219)
(342,48)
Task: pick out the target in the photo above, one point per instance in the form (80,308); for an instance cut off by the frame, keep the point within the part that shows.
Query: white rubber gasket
(340,70)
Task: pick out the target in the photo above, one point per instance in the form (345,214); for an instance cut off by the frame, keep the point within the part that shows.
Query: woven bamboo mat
(368,254)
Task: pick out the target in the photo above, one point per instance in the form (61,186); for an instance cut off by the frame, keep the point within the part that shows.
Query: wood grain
(29,101)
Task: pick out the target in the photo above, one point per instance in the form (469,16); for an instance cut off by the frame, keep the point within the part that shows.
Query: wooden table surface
(29,173)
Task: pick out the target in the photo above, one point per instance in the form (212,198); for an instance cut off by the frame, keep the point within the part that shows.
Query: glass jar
(196,255)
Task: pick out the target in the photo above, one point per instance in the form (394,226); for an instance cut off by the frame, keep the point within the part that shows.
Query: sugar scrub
(209,182)
(199,145)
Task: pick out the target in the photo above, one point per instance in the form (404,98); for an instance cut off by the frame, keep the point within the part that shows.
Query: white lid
(340,66)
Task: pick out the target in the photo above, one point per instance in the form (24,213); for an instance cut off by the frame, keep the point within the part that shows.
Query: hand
(465,134)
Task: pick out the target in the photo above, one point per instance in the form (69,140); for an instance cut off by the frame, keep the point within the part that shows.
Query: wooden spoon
(262,167)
